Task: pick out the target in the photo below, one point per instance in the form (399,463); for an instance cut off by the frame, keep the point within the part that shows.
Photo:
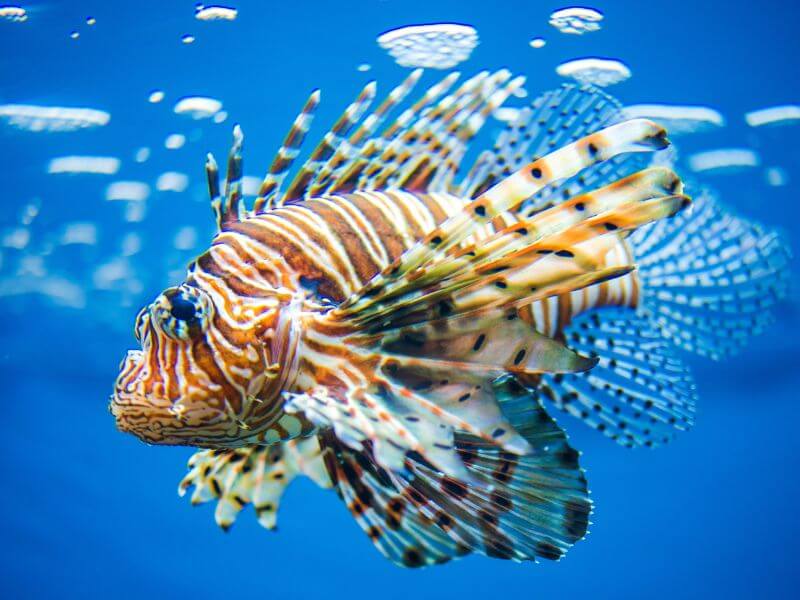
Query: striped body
(334,245)
(328,248)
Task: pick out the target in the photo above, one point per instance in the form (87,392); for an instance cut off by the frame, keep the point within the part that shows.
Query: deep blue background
(86,511)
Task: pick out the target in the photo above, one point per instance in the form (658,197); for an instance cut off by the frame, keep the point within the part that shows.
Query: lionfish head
(210,369)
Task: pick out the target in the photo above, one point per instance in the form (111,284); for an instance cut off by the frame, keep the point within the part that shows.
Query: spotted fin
(306,175)
(256,475)
(228,205)
(413,407)
(553,119)
(638,394)
(270,189)
(422,263)
(558,250)
(484,341)
(516,507)
(710,278)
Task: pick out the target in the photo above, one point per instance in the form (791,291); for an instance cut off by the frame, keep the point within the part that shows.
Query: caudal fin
(709,278)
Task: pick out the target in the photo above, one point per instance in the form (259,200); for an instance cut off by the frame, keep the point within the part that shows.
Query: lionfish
(390,329)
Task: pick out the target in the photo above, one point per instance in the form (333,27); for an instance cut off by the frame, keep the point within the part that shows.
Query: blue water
(88,512)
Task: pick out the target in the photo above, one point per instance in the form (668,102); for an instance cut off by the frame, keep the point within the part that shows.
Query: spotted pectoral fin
(509,506)
(256,475)
(554,119)
(415,406)
(513,507)
(493,339)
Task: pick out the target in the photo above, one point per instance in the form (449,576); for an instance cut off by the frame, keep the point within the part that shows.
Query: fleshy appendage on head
(211,367)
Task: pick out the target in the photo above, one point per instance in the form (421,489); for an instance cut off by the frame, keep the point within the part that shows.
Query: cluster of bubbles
(15,14)
(728,160)
(576,20)
(215,13)
(595,71)
(47,268)
(52,118)
(435,46)
(90,21)
(80,264)
(210,13)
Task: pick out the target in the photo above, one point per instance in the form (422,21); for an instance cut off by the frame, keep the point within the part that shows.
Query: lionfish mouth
(151,417)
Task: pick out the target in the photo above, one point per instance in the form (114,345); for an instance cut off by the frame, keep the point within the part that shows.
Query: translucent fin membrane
(710,278)
(638,394)
(512,507)
(554,119)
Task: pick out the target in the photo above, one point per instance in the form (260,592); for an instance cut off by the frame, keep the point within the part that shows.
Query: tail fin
(710,278)
(519,508)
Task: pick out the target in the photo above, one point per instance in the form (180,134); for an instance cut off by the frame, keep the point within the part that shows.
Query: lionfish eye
(181,312)
(183,308)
